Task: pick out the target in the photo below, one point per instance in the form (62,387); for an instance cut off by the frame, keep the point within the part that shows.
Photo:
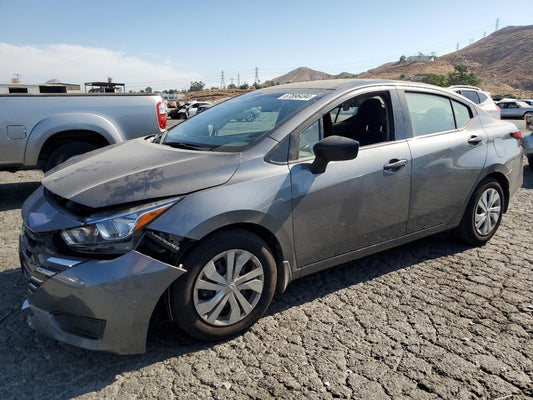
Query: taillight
(499,109)
(518,136)
(161,115)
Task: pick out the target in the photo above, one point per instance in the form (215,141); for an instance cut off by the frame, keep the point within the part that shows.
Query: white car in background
(478,96)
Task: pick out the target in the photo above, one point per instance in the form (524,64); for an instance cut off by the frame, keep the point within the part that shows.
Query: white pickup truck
(41,131)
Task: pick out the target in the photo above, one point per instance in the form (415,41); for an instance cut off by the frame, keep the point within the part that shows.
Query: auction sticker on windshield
(297,96)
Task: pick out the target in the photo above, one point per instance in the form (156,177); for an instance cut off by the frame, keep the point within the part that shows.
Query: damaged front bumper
(94,304)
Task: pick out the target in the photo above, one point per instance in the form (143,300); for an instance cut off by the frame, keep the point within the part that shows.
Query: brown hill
(304,74)
(503,60)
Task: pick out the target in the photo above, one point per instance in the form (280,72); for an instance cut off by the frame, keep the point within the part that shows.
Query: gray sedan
(215,215)
(515,109)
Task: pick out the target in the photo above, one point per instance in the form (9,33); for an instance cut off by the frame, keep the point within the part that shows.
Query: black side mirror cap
(333,148)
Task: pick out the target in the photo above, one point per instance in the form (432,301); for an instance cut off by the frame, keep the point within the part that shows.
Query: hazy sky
(168,44)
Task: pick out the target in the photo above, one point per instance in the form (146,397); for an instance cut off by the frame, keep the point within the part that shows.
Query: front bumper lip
(122,293)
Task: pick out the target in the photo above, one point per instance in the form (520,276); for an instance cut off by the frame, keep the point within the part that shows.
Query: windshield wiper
(189,146)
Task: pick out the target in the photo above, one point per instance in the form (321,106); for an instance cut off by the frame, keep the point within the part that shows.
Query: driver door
(353,204)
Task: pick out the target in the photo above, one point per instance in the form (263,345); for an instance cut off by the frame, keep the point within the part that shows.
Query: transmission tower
(256,80)
(238,80)
(497,24)
(222,82)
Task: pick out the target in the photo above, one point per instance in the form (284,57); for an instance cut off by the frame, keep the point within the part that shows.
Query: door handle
(394,165)
(475,140)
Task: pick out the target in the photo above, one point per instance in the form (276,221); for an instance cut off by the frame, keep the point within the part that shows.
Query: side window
(462,114)
(429,113)
(366,118)
(482,97)
(471,95)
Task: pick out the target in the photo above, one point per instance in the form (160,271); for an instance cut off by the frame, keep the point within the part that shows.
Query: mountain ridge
(503,61)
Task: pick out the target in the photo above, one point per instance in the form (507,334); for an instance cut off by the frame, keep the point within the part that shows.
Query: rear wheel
(230,282)
(66,151)
(483,214)
(250,116)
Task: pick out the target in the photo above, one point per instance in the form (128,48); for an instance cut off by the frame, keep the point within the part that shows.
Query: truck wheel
(63,153)
(230,282)
(483,213)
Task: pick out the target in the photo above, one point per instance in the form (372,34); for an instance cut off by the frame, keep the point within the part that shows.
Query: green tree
(460,76)
(437,80)
(148,89)
(196,86)
(232,86)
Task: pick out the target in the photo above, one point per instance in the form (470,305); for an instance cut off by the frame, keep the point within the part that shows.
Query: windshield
(239,122)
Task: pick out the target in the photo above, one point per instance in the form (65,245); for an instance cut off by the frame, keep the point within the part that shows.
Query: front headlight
(113,233)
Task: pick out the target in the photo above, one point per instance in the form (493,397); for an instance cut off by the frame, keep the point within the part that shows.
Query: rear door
(448,149)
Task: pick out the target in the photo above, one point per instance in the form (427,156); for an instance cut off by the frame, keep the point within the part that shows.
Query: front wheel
(230,282)
(483,214)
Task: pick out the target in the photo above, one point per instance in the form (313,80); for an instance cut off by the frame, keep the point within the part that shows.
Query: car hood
(138,170)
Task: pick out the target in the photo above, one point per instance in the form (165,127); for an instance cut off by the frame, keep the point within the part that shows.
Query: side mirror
(333,148)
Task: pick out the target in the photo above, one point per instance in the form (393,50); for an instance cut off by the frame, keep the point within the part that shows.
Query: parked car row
(216,214)
(187,110)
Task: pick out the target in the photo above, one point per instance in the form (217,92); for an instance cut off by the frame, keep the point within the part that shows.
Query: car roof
(346,84)
(465,87)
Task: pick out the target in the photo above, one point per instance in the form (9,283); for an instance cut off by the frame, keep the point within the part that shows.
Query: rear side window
(471,95)
(462,114)
(431,113)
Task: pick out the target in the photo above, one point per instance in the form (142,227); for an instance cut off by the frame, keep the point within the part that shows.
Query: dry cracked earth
(430,320)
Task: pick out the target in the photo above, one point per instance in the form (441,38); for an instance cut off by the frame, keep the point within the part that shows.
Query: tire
(66,151)
(250,117)
(204,305)
(483,214)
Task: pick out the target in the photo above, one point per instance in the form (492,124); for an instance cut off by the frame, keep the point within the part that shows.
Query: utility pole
(256,80)
(222,82)
(497,24)
(238,80)
(457,49)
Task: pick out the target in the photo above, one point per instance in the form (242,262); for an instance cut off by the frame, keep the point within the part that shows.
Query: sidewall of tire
(467,228)
(181,291)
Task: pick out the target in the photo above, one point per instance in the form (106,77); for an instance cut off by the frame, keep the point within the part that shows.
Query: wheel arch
(284,275)
(504,183)
(70,136)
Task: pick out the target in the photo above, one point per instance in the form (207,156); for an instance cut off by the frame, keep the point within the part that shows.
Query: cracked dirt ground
(430,320)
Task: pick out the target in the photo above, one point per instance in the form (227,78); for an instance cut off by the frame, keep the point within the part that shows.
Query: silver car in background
(515,109)
(215,215)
